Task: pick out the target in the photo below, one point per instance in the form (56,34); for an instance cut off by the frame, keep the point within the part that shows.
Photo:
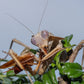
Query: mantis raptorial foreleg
(54,51)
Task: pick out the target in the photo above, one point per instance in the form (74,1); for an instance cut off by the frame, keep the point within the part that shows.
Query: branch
(76,50)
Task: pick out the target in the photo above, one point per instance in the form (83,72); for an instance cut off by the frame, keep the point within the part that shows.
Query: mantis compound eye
(45,34)
(33,41)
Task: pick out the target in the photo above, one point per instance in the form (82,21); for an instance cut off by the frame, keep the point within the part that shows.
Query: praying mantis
(48,45)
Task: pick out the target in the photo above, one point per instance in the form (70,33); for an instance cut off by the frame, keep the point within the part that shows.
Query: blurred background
(62,18)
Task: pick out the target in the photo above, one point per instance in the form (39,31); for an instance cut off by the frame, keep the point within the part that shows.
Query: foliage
(48,78)
(70,72)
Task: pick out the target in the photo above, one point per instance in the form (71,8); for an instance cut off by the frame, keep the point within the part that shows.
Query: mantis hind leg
(18,42)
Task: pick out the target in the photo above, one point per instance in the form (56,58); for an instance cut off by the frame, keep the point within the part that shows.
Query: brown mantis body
(49,45)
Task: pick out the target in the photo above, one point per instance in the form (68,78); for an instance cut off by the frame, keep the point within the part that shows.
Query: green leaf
(82,82)
(10,73)
(1,73)
(68,38)
(3,60)
(72,70)
(77,82)
(38,82)
(37,77)
(72,73)
(33,51)
(72,66)
(6,81)
(53,64)
(57,59)
(21,80)
(52,76)
(66,41)
(46,79)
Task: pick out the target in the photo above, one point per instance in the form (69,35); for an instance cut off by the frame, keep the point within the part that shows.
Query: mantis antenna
(43,15)
(20,23)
